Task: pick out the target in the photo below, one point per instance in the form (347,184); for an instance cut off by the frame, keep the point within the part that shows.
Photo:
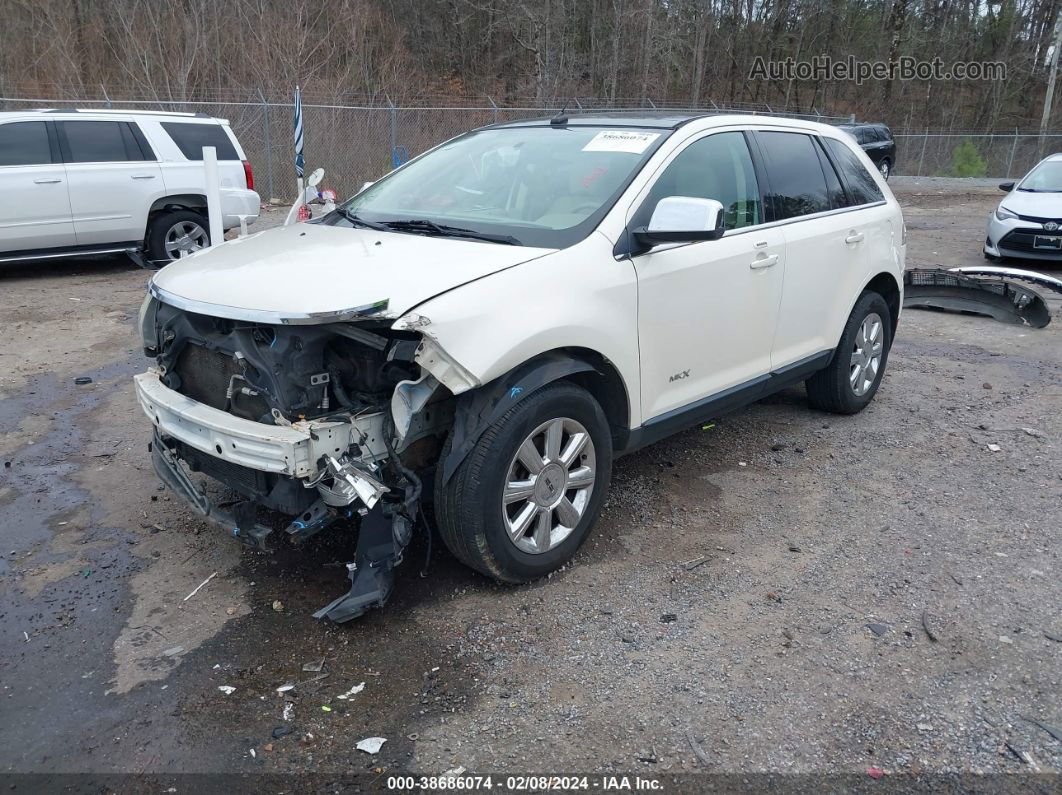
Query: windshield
(532,186)
(1046,177)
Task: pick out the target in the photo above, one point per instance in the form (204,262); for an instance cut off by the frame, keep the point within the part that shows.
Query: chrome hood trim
(265,316)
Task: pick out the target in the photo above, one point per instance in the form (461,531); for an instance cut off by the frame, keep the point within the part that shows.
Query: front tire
(174,234)
(852,378)
(526,496)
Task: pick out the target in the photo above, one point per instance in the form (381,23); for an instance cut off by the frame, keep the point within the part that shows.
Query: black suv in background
(876,140)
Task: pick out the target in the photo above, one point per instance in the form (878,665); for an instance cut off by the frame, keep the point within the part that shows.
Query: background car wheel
(175,234)
(849,383)
(525,498)
(885,167)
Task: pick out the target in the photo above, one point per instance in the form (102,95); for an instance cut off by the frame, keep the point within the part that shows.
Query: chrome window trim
(758,227)
(698,135)
(265,316)
(809,217)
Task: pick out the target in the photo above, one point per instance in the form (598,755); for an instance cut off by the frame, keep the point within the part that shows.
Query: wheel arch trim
(477,409)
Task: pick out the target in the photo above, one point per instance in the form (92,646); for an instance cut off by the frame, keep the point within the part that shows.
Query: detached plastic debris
(371,745)
(352,692)
(228,690)
(988,293)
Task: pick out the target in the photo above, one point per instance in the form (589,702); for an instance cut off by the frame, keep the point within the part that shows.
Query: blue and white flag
(300,161)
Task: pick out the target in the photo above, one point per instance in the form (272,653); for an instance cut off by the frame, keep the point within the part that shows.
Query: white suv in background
(490,324)
(85,182)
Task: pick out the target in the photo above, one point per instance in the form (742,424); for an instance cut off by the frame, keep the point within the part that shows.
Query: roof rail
(126,111)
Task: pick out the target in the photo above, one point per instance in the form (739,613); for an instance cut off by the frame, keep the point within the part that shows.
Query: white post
(213,193)
(300,201)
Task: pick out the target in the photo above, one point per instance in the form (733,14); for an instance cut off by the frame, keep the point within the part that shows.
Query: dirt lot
(785,592)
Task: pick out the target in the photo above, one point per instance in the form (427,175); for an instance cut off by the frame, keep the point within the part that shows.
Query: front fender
(580,297)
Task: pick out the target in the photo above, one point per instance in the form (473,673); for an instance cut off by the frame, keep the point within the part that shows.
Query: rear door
(34,202)
(824,241)
(113,176)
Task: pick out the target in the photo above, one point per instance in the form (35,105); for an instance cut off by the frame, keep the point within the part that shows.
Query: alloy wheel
(184,238)
(866,354)
(548,485)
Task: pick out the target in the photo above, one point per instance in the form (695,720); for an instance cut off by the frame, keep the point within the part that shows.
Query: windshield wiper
(424,226)
(357,221)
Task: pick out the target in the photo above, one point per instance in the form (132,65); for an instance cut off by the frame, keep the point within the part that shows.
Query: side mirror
(682,219)
(1007,186)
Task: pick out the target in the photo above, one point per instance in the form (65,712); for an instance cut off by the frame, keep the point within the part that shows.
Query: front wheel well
(606,385)
(884,284)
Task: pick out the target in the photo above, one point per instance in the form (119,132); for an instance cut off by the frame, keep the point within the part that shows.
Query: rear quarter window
(191,138)
(862,189)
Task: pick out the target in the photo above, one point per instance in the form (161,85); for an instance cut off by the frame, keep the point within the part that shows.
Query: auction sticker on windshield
(620,141)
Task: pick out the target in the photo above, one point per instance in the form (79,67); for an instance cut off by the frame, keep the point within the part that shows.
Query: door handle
(143,176)
(854,237)
(47,180)
(764,262)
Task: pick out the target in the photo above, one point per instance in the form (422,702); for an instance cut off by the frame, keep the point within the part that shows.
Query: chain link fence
(359,143)
(356,143)
(996,155)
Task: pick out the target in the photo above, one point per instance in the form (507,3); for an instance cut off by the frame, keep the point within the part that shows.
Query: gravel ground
(786,592)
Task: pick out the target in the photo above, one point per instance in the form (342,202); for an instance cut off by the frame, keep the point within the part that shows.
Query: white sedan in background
(1028,222)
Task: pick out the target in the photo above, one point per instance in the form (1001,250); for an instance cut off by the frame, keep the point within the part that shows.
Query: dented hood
(309,273)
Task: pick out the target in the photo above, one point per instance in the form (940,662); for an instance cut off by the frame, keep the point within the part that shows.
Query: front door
(34,203)
(707,311)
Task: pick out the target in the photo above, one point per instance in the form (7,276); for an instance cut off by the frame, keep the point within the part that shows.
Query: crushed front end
(297,421)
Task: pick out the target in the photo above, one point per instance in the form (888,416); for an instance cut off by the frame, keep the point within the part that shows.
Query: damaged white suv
(492,323)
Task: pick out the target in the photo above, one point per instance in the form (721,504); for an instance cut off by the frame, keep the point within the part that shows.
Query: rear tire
(479,511)
(175,233)
(852,378)
(885,167)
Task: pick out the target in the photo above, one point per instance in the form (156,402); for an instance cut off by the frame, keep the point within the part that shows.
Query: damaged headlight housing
(146,323)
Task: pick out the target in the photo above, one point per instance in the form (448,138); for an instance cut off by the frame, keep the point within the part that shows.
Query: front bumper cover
(293,450)
(346,452)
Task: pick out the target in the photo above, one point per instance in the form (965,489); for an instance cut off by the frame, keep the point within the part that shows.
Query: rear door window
(97,142)
(24,143)
(862,189)
(191,138)
(797,182)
